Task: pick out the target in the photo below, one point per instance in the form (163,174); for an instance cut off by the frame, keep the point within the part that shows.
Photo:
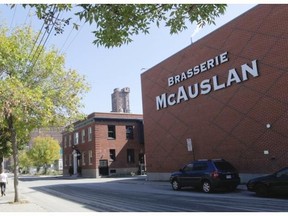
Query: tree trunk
(2,163)
(16,166)
(15,155)
(45,169)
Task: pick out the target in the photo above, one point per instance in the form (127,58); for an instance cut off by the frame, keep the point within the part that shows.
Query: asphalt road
(138,195)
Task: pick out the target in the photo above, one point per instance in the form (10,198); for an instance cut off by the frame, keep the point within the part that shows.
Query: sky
(106,69)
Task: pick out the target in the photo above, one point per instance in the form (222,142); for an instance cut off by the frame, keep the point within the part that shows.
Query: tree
(44,152)
(35,89)
(5,146)
(116,23)
(24,161)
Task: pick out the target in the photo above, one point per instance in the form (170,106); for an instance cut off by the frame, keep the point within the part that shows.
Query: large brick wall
(231,122)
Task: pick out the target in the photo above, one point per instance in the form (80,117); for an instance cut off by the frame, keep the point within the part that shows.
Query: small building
(224,96)
(104,144)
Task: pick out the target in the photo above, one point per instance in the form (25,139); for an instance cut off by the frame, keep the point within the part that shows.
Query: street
(134,194)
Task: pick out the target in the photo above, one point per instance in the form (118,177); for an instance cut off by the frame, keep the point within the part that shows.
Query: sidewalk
(7,202)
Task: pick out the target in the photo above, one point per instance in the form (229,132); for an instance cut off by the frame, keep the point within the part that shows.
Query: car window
(283,173)
(223,165)
(188,167)
(200,166)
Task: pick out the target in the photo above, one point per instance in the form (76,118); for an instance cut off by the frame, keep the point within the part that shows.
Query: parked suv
(206,175)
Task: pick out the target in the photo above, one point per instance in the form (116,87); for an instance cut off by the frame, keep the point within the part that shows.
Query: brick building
(224,96)
(104,144)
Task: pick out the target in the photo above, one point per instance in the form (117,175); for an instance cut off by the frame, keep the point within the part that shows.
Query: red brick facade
(238,114)
(95,146)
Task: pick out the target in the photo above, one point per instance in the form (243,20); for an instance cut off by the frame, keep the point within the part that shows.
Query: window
(188,167)
(70,159)
(76,138)
(83,158)
(90,157)
(83,136)
(65,160)
(130,156)
(112,154)
(70,140)
(200,166)
(129,132)
(89,134)
(111,132)
(103,163)
(65,141)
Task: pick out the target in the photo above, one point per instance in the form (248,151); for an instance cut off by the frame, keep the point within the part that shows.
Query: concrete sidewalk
(7,202)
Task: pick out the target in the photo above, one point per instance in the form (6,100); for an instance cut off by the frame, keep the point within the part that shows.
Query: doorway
(103,168)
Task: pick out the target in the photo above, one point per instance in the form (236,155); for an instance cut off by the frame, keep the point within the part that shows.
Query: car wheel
(176,185)
(206,187)
(261,190)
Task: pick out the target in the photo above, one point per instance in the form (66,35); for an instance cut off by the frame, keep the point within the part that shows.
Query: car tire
(206,186)
(261,190)
(176,185)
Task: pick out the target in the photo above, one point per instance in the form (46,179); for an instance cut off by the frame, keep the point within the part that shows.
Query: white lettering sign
(204,66)
(207,85)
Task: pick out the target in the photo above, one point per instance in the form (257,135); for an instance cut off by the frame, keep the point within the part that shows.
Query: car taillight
(215,174)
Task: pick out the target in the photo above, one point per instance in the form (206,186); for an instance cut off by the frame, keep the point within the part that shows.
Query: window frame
(129,132)
(131,153)
(89,134)
(76,138)
(111,131)
(83,158)
(83,133)
(90,157)
(112,154)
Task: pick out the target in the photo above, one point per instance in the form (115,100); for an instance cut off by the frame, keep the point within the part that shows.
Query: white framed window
(83,158)
(65,160)
(76,138)
(83,136)
(90,157)
(111,132)
(89,133)
(65,141)
(70,140)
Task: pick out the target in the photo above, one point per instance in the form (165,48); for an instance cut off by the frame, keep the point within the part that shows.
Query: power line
(27,16)
(66,39)
(13,16)
(74,38)
(49,32)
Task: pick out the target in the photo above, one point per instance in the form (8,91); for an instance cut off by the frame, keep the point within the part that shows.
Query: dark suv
(206,175)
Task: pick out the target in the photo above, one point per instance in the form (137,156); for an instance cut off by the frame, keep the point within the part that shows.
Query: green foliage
(36,93)
(44,151)
(115,24)
(5,143)
(35,89)
(24,161)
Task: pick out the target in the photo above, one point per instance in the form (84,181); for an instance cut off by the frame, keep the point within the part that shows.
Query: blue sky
(106,69)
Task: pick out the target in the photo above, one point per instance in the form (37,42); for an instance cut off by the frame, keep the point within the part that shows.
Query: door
(103,168)
(280,183)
